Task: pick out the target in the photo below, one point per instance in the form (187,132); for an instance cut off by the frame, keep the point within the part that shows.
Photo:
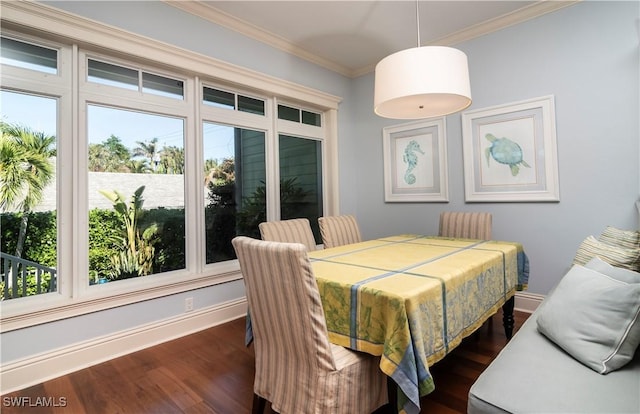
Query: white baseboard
(527,302)
(30,371)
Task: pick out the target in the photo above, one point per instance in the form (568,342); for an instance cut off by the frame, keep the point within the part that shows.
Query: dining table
(411,299)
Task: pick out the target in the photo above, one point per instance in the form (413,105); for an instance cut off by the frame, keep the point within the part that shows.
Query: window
(136,194)
(235,177)
(28,240)
(301,180)
(159,161)
(289,113)
(134,79)
(27,55)
(231,100)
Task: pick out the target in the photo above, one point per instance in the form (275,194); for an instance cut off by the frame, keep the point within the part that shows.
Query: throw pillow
(594,318)
(618,273)
(628,239)
(616,256)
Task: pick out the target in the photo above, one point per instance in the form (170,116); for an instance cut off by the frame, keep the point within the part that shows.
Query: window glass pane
(235,193)
(114,75)
(136,194)
(28,56)
(251,105)
(310,118)
(218,98)
(288,113)
(28,221)
(301,180)
(159,85)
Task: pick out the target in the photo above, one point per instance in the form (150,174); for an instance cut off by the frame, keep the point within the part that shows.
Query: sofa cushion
(628,239)
(616,256)
(593,317)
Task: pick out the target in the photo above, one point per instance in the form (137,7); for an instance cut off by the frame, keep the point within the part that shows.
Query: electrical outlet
(188,304)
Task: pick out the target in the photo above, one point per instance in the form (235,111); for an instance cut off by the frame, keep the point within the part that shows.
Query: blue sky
(40,115)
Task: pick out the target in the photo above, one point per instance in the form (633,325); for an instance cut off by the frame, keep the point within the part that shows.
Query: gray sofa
(533,375)
(579,352)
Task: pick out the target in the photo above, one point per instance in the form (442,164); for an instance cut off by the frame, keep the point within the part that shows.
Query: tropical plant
(26,167)
(138,251)
(109,156)
(149,150)
(219,173)
(138,166)
(171,160)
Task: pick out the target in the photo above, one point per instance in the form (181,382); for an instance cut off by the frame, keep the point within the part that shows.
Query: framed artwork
(510,152)
(415,162)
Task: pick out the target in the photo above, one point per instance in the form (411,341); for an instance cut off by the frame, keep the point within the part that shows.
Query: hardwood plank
(211,372)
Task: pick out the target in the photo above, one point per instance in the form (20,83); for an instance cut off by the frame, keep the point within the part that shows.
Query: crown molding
(529,12)
(88,32)
(224,19)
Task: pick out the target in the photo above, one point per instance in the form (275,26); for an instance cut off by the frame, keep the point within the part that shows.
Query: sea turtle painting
(505,151)
(411,159)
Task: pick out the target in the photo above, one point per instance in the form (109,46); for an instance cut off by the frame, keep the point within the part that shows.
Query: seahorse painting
(411,159)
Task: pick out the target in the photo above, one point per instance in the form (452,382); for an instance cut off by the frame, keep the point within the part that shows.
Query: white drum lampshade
(422,82)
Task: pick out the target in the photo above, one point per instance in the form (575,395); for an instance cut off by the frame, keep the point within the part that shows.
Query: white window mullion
(194,166)
(273,165)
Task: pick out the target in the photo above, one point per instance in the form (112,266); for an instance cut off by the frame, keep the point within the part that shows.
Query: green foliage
(40,243)
(105,239)
(137,251)
(224,219)
(32,286)
(170,238)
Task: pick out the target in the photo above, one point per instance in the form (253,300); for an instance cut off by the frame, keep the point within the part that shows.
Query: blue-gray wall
(587,55)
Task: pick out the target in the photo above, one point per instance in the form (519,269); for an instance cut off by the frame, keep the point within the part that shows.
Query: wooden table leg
(507,316)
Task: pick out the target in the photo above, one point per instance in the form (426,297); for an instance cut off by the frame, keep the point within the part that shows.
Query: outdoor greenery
(126,241)
(113,156)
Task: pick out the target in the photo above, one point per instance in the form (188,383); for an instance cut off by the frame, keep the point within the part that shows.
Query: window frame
(48,26)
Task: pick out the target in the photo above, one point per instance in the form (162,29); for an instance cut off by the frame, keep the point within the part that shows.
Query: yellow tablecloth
(412,299)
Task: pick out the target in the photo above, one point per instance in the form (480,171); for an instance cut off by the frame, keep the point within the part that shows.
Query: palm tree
(147,150)
(138,166)
(172,160)
(25,170)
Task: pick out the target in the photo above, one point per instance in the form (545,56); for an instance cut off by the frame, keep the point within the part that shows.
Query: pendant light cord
(418,21)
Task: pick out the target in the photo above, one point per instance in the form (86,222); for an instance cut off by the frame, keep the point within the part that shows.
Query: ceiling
(350,37)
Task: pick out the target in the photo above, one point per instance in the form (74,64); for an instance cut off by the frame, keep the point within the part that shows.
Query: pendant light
(422,82)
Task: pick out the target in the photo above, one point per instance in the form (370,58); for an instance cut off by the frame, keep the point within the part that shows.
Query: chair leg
(392,395)
(259,404)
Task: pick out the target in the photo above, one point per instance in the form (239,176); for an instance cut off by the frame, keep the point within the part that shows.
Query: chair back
(289,231)
(287,318)
(466,225)
(339,230)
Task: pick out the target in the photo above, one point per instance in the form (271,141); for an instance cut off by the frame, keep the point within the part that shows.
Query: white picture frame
(415,162)
(510,152)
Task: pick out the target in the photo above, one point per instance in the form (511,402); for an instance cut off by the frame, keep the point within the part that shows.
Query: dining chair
(466,225)
(289,231)
(339,230)
(297,369)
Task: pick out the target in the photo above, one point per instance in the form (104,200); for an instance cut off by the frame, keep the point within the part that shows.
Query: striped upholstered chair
(466,225)
(289,231)
(339,230)
(297,369)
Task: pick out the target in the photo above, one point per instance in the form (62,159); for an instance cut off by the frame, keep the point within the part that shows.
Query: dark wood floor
(212,372)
